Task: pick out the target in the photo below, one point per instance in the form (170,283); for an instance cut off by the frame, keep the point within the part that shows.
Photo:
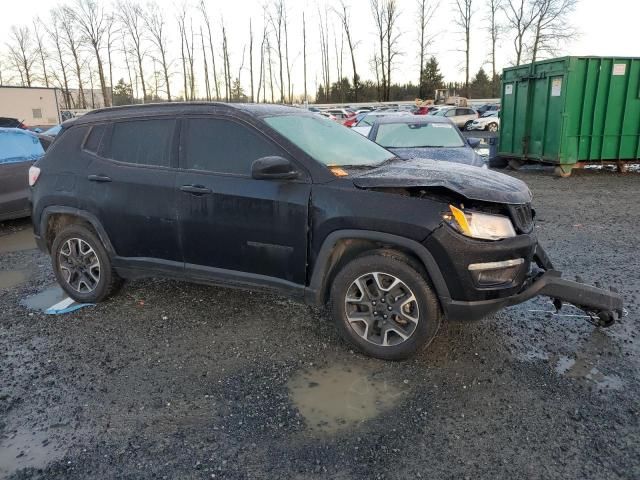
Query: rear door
(232,224)
(132,188)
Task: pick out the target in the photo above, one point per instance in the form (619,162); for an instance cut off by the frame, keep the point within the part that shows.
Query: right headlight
(484,226)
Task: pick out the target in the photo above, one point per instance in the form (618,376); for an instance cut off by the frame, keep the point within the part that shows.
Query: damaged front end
(486,247)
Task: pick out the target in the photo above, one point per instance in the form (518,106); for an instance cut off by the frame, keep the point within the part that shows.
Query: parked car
(490,121)
(364,125)
(435,138)
(7,122)
(462,117)
(341,113)
(350,122)
(488,107)
(18,150)
(328,115)
(275,198)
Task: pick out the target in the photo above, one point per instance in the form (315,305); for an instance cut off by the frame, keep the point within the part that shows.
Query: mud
(172,380)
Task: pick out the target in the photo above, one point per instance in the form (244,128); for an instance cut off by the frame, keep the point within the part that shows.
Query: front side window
(142,142)
(404,135)
(223,146)
(328,142)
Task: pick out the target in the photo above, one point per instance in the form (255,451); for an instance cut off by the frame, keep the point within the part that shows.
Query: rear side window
(142,142)
(223,146)
(92,143)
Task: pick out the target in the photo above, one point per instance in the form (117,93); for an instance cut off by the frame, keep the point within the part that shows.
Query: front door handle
(99,178)
(196,189)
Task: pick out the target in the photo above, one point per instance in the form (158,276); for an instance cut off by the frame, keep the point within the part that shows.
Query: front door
(231,224)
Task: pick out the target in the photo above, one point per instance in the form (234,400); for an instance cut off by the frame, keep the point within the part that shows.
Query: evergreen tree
(480,86)
(431,78)
(122,93)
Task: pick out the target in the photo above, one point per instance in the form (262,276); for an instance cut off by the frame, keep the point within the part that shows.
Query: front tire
(82,265)
(492,127)
(384,307)
(467,126)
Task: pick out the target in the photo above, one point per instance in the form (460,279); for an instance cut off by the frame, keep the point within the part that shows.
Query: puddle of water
(583,368)
(27,449)
(339,397)
(12,278)
(45,299)
(17,241)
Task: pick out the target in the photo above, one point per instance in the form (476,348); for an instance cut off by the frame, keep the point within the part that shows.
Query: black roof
(177,108)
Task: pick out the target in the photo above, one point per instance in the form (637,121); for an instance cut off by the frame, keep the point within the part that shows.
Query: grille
(522,217)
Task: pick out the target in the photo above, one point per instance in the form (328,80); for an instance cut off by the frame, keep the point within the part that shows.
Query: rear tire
(384,307)
(82,265)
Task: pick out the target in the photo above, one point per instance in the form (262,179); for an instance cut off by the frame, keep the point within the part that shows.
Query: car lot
(173,380)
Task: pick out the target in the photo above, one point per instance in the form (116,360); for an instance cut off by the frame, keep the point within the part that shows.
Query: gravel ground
(172,380)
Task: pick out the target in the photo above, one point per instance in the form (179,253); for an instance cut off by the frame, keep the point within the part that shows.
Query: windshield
(403,135)
(441,112)
(328,142)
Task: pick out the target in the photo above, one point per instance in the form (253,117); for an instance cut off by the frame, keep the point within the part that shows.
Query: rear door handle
(196,189)
(99,178)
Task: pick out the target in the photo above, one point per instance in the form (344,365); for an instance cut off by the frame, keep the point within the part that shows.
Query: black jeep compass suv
(270,197)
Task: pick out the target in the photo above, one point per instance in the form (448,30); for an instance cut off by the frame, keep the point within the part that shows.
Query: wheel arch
(54,218)
(341,246)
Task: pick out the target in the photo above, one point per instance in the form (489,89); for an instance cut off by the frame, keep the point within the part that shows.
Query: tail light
(34,174)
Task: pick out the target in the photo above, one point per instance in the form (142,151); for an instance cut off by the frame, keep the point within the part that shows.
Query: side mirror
(272,168)
(473,142)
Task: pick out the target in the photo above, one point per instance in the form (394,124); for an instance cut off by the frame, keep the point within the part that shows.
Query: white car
(364,125)
(490,121)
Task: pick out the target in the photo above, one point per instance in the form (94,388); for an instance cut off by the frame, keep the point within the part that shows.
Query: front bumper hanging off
(603,306)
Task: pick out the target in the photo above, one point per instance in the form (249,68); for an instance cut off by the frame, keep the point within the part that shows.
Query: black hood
(471,182)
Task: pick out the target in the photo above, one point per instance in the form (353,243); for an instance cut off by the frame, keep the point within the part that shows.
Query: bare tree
(112,33)
(205,16)
(270,65)
(463,20)
(54,34)
(286,56)
(551,26)
(324,50)
(276,18)
(304,56)
(494,29)
(72,43)
(37,28)
(378,11)
(206,67)
(426,11)
(22,53)
(225,61)
(183,39)
(251,57)
(156,27)
(91,18)
(520,16)
(343,14)
(339,58)
(131,17)
(391,14)
(261,75)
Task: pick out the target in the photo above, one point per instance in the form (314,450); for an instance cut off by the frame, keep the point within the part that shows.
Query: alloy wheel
(79,265)
(381,309)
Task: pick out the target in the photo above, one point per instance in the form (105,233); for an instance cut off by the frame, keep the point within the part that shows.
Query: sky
(605,29)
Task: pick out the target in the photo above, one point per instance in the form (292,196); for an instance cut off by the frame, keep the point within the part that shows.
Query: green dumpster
(571,111)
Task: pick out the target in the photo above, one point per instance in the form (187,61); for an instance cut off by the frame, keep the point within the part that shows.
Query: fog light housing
(494,274)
